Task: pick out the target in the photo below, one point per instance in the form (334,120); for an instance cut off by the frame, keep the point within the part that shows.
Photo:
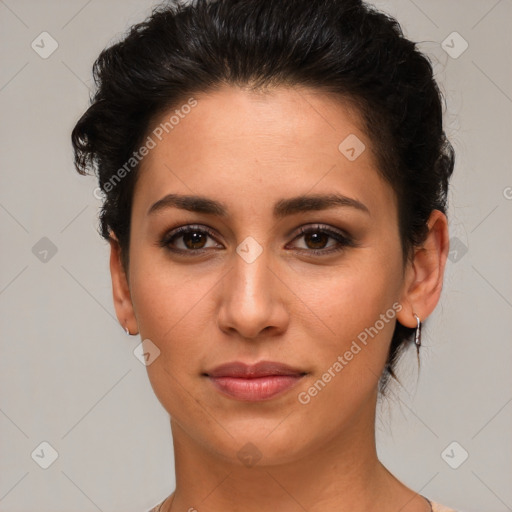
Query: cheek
(174,309)
(170,307)
(350,344)
(349,298)
(165,295)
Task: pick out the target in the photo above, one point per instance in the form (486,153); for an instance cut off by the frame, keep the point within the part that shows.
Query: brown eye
(316,240)
(194,240)
(188,239)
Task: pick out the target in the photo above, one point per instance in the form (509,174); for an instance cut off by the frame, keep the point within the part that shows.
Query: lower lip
(255,389)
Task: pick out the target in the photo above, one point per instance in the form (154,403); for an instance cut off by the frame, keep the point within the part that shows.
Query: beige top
(436,507)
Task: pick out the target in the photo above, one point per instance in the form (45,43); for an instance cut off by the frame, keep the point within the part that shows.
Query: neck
(340,474)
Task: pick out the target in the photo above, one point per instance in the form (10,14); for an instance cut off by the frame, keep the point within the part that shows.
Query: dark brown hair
(343,47)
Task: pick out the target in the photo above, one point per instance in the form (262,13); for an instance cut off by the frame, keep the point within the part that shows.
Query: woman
(274,175)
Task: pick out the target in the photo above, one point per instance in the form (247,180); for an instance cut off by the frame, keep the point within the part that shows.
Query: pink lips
(261,381)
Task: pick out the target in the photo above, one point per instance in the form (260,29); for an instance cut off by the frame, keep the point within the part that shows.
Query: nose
(253,299)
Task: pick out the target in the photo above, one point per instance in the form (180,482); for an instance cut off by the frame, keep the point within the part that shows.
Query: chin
(261,442)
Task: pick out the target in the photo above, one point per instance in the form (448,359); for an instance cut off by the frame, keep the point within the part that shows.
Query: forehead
(283,118)
(243,146)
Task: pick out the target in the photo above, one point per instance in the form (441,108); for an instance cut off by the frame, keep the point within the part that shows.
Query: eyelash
(342,239)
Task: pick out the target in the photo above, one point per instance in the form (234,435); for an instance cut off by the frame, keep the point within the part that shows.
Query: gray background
(68,373)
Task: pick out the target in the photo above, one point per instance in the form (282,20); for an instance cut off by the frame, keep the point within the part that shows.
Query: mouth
(251,383)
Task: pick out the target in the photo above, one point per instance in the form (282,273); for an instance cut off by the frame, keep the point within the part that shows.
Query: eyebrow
(282,208)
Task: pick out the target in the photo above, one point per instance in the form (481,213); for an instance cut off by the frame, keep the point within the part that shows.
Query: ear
(120,288)
(424,274)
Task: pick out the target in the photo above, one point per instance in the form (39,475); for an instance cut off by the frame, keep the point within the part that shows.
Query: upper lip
(238,369)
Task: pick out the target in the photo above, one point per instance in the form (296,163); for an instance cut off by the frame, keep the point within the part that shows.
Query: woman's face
(247,286)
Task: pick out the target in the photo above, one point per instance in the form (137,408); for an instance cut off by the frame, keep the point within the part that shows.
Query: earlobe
(425,274)
(120,289)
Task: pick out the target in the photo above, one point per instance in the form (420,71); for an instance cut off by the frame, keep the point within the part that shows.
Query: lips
(261,381)
(262,369)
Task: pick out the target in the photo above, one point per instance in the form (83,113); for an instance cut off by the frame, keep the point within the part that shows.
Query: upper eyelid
(320,227)
(300,231)
(182,230)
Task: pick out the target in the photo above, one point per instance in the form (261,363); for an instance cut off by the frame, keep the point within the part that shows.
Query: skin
(249,150)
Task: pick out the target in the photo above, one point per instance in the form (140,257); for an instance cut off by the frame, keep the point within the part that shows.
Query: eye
(316,239)
(187,239)
(193,240)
